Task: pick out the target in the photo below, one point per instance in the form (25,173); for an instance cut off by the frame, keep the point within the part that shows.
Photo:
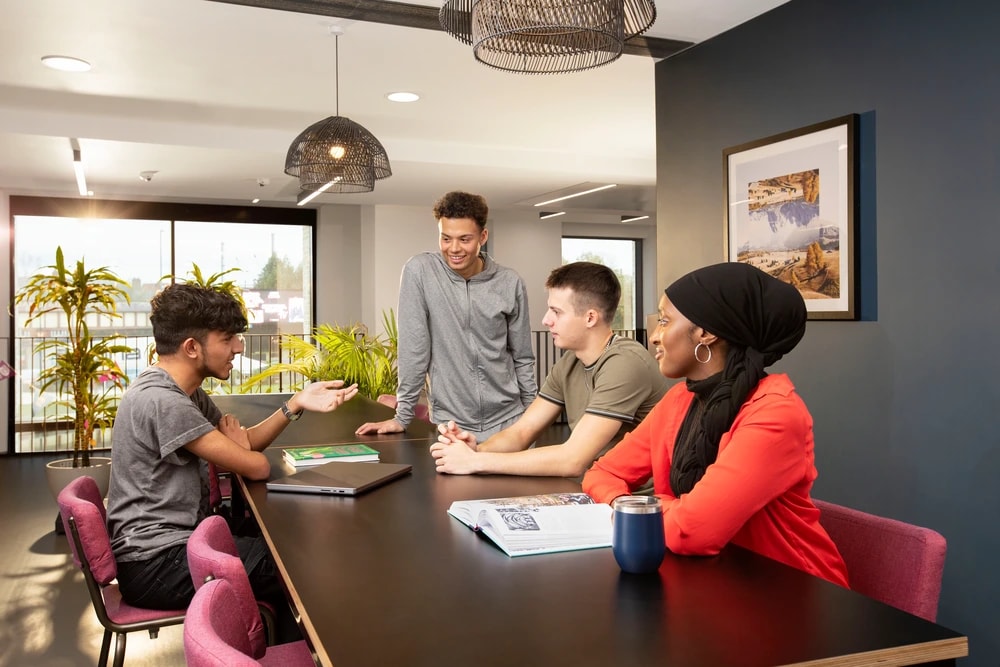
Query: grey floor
(46,618)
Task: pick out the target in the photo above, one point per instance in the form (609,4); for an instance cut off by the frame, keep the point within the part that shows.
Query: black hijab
(762,319)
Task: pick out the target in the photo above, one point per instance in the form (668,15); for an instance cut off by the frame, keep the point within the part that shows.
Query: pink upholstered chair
(212,556)
(420,411)
(894,562)
(85,520)
(213,635)
(220,486)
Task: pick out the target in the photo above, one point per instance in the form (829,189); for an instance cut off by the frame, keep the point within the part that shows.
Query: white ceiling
(210,95)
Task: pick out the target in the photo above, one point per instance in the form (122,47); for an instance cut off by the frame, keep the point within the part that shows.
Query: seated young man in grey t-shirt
(167,426)
(606,383)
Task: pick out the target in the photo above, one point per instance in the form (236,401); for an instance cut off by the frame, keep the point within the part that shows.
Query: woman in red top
(730,450)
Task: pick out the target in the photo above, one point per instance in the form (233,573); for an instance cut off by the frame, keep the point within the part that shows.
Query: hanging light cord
(336,73)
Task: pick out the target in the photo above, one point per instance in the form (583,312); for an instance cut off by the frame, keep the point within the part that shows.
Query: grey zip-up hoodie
(471,337)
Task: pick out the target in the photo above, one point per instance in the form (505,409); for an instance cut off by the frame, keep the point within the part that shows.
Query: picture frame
(790,210)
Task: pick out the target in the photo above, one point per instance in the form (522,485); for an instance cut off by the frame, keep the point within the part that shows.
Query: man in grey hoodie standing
(464,327)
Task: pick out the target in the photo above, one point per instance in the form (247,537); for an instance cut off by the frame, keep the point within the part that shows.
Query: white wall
(338,265)
(5,332)
(519,240)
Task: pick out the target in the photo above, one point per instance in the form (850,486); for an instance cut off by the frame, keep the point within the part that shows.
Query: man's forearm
(504,441)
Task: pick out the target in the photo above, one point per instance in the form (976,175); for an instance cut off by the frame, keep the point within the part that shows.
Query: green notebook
(315,455)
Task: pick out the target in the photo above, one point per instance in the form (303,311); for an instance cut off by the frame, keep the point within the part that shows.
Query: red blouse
(755,495)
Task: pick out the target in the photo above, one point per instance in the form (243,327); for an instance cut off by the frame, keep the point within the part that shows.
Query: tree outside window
(622,257)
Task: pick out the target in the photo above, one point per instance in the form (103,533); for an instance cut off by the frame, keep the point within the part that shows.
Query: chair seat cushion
(292,654)
(123,613)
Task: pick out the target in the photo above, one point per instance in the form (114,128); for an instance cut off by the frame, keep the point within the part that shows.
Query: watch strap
(289,415)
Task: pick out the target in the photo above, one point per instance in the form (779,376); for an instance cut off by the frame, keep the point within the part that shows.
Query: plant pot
(60,473)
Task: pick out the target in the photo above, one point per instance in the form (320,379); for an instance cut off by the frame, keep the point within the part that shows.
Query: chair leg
(120,649)
(270,624)
(105,647)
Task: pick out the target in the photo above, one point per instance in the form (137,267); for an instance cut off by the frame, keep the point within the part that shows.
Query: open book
(538,524)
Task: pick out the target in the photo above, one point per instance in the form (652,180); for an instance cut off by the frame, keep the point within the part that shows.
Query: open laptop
(340,478)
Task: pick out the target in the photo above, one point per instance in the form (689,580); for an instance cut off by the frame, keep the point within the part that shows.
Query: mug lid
(637,505)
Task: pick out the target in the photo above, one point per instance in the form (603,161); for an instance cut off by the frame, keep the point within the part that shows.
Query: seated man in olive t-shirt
(606,383)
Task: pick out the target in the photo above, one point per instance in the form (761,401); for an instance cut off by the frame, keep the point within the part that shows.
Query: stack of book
(315,455)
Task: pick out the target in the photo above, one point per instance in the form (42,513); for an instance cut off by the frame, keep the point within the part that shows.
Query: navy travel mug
(637,536)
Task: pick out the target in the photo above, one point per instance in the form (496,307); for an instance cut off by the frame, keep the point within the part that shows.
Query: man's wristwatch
(289,415)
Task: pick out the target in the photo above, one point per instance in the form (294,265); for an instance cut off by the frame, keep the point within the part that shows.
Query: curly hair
(183,311)
(462,205)
(593,285)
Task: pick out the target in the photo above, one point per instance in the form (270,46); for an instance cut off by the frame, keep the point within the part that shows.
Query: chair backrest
(81,500)
(387,399)
(212,554)
(213,635)
(214,489)
(894,562)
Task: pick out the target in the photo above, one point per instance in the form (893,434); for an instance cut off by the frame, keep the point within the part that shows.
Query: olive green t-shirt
(623,384)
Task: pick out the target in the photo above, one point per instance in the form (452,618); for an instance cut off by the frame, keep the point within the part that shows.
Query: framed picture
(790,210)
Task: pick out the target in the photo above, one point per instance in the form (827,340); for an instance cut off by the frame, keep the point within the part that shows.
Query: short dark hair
(181,311)
(462,205)
(593,285)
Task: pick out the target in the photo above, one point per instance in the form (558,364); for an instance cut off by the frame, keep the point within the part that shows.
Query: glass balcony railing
(42,421)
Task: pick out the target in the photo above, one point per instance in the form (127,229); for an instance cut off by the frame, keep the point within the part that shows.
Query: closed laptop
(340,478)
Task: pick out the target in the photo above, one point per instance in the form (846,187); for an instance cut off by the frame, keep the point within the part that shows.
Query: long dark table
(388,578)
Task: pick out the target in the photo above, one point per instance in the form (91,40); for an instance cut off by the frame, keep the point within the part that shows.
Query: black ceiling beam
(418,16)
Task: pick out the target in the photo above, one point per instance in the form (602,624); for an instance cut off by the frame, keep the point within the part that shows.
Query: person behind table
(464,328)
(730,450)
(605,383)
(166,427)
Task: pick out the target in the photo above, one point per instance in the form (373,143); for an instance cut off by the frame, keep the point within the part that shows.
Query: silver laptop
(340,478)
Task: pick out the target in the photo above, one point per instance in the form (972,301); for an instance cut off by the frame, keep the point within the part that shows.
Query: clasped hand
(455,450)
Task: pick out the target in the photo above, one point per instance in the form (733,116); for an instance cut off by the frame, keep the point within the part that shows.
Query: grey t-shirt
(157,493)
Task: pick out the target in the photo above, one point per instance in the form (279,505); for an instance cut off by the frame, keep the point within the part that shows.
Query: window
(623,256)
(142,243)
(274,259)
(275,263)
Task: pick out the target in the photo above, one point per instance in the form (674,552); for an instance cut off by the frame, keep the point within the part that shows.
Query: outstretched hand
(323,396)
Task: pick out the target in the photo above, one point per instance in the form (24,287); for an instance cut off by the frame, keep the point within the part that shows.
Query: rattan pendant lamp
(546,36)
(336,154)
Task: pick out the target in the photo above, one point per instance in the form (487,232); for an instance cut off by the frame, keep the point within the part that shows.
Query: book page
(545,528)
(467,511)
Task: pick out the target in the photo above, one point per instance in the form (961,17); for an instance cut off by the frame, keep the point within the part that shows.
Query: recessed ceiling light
(66,63)
(255,200)
(403,97)
(545,215)
(633,218)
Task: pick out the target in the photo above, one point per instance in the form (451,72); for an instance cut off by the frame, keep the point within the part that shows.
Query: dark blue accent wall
(905,401)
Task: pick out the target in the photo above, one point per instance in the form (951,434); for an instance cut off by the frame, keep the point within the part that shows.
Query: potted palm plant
(350,354)
(80,366)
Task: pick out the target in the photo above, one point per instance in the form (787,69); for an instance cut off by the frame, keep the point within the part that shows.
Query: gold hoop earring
(697,358)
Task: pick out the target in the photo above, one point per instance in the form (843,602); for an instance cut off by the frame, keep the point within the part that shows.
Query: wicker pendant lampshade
(339,151)
(337,155)
(546,36)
